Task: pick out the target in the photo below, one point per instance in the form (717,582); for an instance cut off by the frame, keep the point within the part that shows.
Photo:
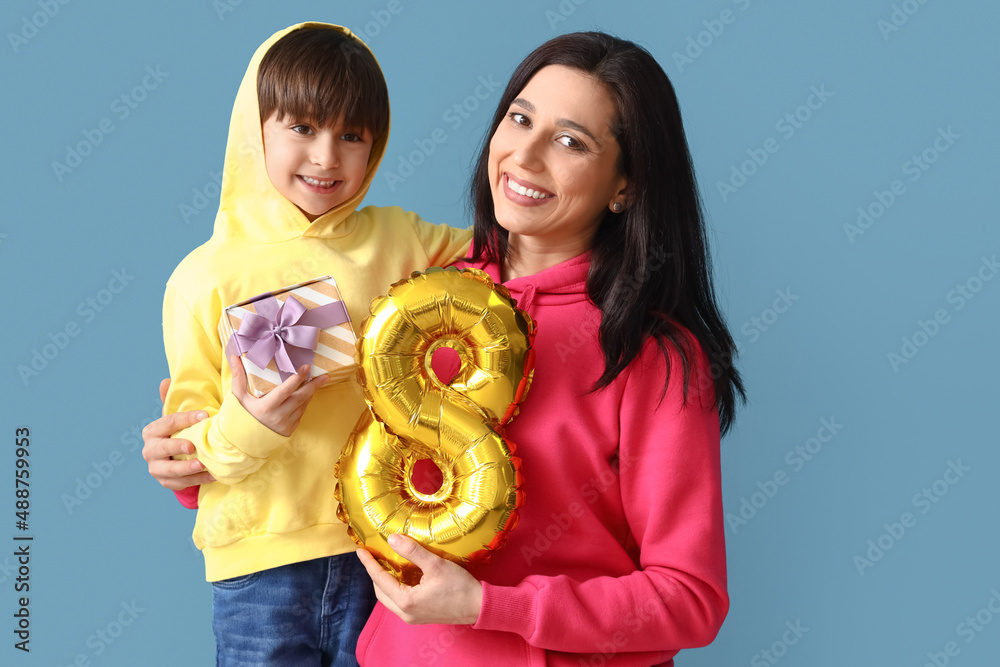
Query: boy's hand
(280,409)
(159,447)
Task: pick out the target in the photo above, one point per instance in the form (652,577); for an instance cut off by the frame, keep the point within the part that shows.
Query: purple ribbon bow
(286,332)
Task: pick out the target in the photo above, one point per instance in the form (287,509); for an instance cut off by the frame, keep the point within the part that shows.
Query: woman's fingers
(447,593)
(414,552)
(174,475)
(161,449)
(166,426)
(164,388)
(387,588)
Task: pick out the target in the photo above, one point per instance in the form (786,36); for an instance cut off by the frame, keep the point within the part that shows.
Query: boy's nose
(324,154)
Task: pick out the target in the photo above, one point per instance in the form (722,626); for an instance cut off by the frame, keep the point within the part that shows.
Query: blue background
(854,295)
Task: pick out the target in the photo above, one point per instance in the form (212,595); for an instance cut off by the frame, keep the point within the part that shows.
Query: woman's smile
(525,192)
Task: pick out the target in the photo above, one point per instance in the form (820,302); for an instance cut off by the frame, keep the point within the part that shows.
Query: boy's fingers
(304,394)
(296,415)
(239,378)
(281,393)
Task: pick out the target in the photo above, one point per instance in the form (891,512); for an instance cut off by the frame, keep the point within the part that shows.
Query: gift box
(277,332)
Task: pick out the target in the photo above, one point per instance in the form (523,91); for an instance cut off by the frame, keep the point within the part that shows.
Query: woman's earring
(617,207)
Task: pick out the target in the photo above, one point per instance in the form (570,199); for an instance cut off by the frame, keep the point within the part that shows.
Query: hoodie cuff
(507,609)
(241,431)
(188,497)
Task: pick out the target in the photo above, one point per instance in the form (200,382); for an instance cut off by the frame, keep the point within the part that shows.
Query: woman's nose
(528,153)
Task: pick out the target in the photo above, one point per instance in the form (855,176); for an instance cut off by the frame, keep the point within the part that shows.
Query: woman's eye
(350,136)
(519,118)
(301,129)
(570,142)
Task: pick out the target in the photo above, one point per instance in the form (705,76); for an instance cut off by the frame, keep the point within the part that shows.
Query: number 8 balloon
(457,424)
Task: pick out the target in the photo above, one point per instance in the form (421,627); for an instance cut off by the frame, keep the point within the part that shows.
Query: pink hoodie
(619,556)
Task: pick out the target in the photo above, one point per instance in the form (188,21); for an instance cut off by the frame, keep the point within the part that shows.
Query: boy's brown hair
(323,76)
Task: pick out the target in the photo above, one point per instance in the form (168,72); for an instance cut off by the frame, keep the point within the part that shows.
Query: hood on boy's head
(249,205)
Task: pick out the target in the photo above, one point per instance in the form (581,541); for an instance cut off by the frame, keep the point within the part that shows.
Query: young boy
(308,130)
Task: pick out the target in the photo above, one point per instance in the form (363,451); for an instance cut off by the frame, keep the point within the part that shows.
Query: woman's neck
(530,256)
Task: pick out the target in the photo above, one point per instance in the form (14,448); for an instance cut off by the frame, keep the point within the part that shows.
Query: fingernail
(197,466)
(304,370)
(211,479)
(201,415)
(394,540)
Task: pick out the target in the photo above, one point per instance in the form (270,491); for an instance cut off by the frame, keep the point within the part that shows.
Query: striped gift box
(334,353)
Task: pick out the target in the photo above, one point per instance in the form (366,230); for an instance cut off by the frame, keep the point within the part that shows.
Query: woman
(586,209)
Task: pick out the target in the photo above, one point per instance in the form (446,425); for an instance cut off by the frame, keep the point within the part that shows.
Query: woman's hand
(446,592)
(158,447)
(281,408)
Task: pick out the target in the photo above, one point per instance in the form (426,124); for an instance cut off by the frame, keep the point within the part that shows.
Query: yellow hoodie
(273,503)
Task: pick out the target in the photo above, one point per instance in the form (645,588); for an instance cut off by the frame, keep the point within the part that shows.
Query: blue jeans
(302,614)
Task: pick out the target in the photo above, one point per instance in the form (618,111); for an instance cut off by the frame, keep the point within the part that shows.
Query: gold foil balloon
(457,424)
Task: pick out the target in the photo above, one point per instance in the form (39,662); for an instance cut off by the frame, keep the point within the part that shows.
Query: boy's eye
(350,136)
(301,129)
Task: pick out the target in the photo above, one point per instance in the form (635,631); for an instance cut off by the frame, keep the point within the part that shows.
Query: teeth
(527,192)
(318,184)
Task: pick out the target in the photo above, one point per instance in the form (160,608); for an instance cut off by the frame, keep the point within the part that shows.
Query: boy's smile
(315,168)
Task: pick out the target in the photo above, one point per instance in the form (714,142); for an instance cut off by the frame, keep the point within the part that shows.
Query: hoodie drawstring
(527,298)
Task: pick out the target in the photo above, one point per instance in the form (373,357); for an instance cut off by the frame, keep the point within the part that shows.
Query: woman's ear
(620,201)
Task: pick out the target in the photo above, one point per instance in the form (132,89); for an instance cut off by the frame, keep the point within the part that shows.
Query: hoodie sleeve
(188,497)
(670,484)
(443,245)
(231,442)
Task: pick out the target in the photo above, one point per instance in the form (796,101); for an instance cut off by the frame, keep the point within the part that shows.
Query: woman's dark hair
(323,75)
(650,269)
